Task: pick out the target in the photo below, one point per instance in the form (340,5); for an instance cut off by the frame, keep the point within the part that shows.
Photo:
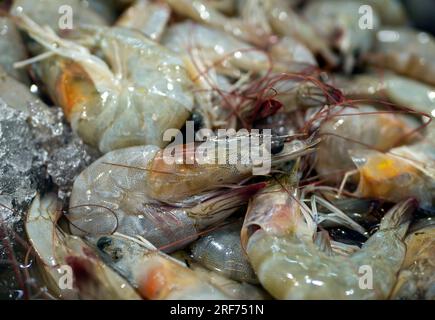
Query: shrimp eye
(198,121)
(277,146)
(103,243)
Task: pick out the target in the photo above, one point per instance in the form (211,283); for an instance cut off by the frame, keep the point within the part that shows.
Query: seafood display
(216,150)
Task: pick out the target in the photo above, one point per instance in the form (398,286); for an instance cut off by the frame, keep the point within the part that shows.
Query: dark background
(422,13)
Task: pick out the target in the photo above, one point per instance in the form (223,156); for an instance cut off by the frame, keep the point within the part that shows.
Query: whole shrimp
(221,251)
(278,235)
(359,128)
(113,105)
(150,18)
(417,276)
(405,51)
(136,191)
(12,49)
(92,279)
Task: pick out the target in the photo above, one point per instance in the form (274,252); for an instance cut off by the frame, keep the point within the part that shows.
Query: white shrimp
(92,279)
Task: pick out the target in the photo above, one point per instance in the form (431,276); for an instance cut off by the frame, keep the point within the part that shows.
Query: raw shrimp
(56,249)
(12,49)
(114,106)
(155,275)
(339,21)
(406,51)
(171,182)
(201,11)
(406,171)
(396,89)
(131,182)
(358,128)
(49,13)
(151,18)
(278,235)
(221,251)
(215,58)
(417,276)
(286,22)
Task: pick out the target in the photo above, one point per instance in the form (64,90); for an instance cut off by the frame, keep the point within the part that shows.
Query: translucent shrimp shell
(291,266)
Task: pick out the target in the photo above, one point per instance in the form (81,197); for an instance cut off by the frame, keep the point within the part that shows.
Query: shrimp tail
(399,217)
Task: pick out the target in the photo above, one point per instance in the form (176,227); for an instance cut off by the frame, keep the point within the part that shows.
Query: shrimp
(49,13)
(278,236)
(201,11)
(396,89)
(214,59)
(155,275)
(216,48)
(407,52)
(285,22)
(406,171)
(417,276)
(358,129)
(114,106)
(221,251)
(12,49)
(149,17)
(338,20)
(133,182)
(55,249)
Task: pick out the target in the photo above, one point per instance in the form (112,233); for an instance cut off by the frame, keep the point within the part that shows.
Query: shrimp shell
(222,252)
(290,265)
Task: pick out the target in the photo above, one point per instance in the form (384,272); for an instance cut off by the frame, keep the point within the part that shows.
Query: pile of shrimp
(340,94)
